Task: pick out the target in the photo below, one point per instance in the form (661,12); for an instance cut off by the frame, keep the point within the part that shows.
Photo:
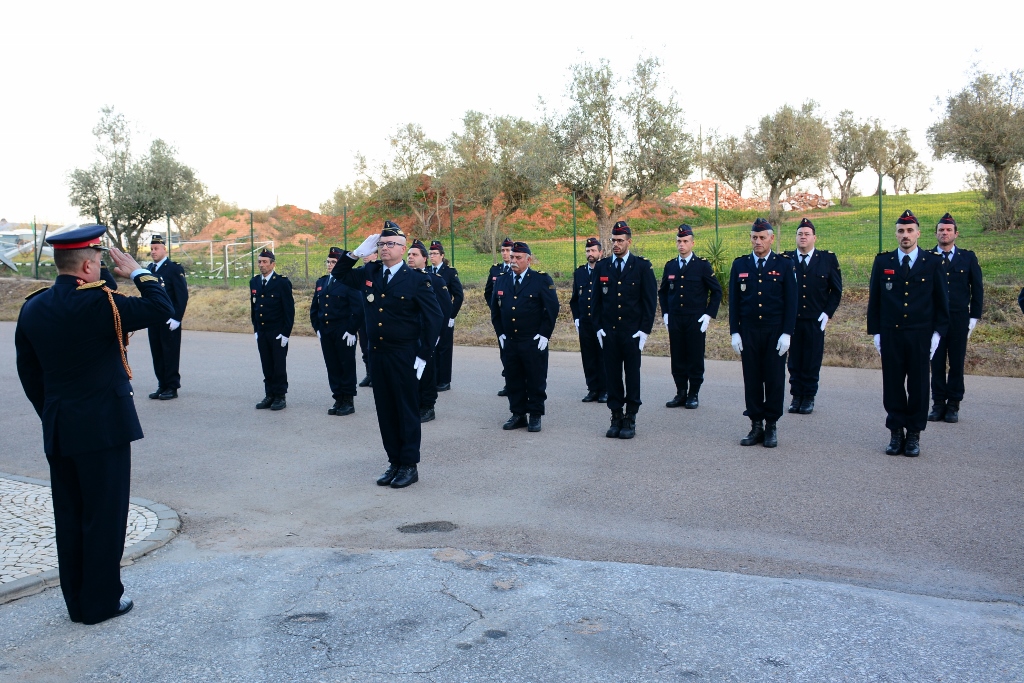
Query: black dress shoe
(156,394)
(755,435)
(365,381)
(912,447)
(346,407)
(534,423)
(692,402)
(426,414)
(267,401)
(895,446)
(807,405)
(515,422)
(794,405)
(388,476)
(590,397)
(503,392)
(333,410)
(771,435)
(602,397)
(168,394)
(952,415)
(124,606)
(279,403)
(938,411)
(677,401)
(405,475)
(628,429)
(444,387)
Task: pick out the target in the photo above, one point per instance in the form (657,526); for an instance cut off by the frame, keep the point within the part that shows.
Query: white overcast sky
(268,101)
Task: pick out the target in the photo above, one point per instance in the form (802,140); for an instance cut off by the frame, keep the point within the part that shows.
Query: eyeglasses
(391,245)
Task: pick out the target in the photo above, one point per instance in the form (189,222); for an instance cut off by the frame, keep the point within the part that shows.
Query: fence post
(305,244)
(36,249)
(451,225)
(211,255)
(716,211)
(252,250)
(344,229)
(879,213)
(226,263)
(168,235)
(574,257)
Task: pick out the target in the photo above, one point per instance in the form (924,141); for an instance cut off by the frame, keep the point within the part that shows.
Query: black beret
(621,228)
(266,253)
(416,244)
(907,218)
(593,242)
(806,223)
(507,243)
(684,231)
(334,252)
(947,220)
(521,248)
(391,230)
(761,225)
(87,236)
(437,246)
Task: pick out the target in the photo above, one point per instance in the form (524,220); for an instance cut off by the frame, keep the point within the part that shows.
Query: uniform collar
(809,255)
(157,264)
(952,251)
(913,255)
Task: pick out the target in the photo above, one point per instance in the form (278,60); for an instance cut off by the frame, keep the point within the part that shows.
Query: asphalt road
(827,504)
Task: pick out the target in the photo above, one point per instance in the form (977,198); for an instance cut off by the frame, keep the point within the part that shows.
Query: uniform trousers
(273,357)
(364,346)
(526,376)
(593,358)
(165,347)
(90,512)
(905,367)
(764,371)
(622,357)
(428,384)
(805,354)
(686,346)
(444,351)
(396,396)
(340,359)
(953,346)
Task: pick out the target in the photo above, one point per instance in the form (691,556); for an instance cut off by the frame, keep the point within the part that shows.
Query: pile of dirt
(805,201)
(702,193)
(284,225)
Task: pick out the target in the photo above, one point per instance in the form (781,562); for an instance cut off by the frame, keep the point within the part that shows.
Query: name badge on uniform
(888,285)
(890,272)
(501,293)
(369,297)
(743,287)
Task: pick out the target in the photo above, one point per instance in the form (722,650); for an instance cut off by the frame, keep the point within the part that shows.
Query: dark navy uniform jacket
(403,313)
(917,302)
(451,280)
(70,366)
(762,299)
(492,277)
(820,286)
(531,312)
(335,307)
(444,298)
(694,291)
(963,282)
(272,306)
(625,302)
(172,277)
(581,303)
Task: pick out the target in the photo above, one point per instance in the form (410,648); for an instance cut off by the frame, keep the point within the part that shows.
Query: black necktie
(618,264)
(330,279)
(387,276)
(945,257)
(519,281)
(760,264)
(803,262)
(906,265)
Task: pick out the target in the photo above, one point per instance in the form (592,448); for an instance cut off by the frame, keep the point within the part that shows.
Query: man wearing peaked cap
(83,395)
(908,313)
(966,291)
(272,308)
(165,339)
(582,305)
(336,314)
(819,291)
(524,313)
(689,295)
(626,299)
(440,266)
(497,271)
(418,259)
(762,317)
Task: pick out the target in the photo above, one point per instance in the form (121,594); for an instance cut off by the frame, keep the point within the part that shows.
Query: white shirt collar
(624,257)
(157,264)
(913,256)
(394,268)
(266,278)
(683,261)
(765,257)
(952,250)
(808,254)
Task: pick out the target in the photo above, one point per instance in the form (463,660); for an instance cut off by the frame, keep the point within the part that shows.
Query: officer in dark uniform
(165,339)
(762,317)
(273,314)
(690,295)
(625,301)
(446,347)
(71,359)
(497,271)
(364,345)
(524,313)
(417,260)
(966,293)
(819,291)
(336,314)
(582,305)
(908,313)
(404,322)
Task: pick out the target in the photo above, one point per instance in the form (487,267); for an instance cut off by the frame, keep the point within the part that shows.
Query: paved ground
(827,505)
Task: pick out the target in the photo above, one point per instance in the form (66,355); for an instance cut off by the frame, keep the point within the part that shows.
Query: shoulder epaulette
(100,283)
(541,272)
(826,251)
(700,257)
(784,254)
(882,253)
(32,294)
(146,278)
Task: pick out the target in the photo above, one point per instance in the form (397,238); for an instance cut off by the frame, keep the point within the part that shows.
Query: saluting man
(165,339)
(336,314)
(908,313)
(497,271)
(524,313)
(417,260)
(690,295)
(762,317)
(446,347)
(625,300)
(819,291)
(273,314)
(582,305)
(404,322)
(966,291)
(82,393)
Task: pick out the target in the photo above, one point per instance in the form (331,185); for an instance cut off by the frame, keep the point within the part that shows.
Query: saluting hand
(124,265)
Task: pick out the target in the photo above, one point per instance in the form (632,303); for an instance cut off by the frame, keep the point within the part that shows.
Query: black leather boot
(347,406)
(756,434)
(912,448)
(628,430)
(613,430)
(895,446)
(771,435)
(794,406)
(267,401)
(952,412)
(938,411)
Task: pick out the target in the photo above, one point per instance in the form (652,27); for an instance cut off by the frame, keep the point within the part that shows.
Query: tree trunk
(774,209)
(1004,212)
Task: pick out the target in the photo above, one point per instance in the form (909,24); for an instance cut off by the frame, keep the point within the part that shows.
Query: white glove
(704,321)
(664,319)
(501,341)
(350,339)
(823,319)
(600,338)
(878,344)
(577,323)
(783,346)
(318,334)
(256,336)
(737,343)
(935,345)
(970,327)
(451,322)
(284,340)
(175,324)
(542,342)
(368,246)
(642,336)
(418,365)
